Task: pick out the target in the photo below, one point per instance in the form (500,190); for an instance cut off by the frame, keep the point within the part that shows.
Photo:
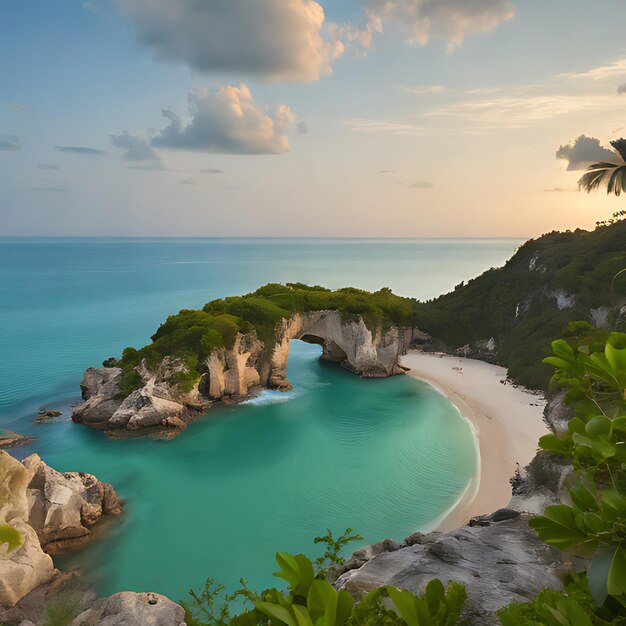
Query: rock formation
(42,509)
(233,373)
(133,609)
(25,566)
(63,507)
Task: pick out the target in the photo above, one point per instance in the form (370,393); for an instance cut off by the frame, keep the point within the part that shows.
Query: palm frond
(620,147)
(610,174)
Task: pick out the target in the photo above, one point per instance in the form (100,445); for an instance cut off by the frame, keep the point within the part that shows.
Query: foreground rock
(63,507)
(133,609)
(232,374)
(25,566)
(43,511)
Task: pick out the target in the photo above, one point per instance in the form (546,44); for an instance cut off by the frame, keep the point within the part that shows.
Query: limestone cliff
(235,372)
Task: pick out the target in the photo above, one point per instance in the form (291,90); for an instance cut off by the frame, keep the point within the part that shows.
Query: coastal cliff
(201,357)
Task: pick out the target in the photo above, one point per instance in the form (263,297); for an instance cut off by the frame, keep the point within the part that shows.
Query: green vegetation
(11,536)
(191,335)
(595,523)
(591,367)
(517,304)
(310,599)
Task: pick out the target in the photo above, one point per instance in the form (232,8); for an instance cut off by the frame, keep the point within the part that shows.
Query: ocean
(384,457)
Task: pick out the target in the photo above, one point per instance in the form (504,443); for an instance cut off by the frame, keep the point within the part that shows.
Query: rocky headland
(233,373)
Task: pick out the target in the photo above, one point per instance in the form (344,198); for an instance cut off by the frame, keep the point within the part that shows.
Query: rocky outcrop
(43,511)
(9,439)
(62,508)
(498,562)
(235,372)
(133,609)
(25,566)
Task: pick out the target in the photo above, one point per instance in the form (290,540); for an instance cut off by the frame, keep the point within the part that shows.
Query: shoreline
(506,421)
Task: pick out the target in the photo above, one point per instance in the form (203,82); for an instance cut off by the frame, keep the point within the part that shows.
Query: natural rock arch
(235,372)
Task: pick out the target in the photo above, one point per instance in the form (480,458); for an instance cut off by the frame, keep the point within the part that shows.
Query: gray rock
(101,394)
(133,609)
(499,563)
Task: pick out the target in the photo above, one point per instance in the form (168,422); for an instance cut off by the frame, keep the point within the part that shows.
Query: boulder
(101,394)
(63,507)
(25,566)
(133,609)
(499,563)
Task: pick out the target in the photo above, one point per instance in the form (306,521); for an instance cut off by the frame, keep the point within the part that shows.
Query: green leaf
(616,583)
(434,595)
(277,612)
(413,610)
(557,527)
(552,443)
(345,603)
(598,426)
(599,446)
(584,497)
(322,601)
(296,570)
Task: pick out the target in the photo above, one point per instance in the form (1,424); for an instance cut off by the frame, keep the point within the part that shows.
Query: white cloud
(227,121)
(135,148)
(423,89)
(451,20)
(277,39)
(609,70)
(621,88)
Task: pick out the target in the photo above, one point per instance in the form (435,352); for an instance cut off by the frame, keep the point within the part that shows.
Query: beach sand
(507,421)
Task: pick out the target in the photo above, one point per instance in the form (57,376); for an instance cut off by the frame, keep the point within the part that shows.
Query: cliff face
(233,373)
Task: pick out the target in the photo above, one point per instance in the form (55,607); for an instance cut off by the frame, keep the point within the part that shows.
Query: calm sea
(385,457)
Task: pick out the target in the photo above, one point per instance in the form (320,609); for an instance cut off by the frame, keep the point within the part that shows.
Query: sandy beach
(507,421)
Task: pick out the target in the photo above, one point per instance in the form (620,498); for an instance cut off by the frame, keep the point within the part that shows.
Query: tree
(604,173)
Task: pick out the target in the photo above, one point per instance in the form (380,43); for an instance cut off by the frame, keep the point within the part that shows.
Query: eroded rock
(63,507)
(499,563)
(27,566)
(133,609)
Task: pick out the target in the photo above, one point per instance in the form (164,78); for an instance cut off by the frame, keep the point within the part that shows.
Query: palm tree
(613,175)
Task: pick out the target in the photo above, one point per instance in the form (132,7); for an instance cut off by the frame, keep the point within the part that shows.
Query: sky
(328,118)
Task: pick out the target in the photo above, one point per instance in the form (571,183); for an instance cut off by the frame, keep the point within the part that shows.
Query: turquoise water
(386,457)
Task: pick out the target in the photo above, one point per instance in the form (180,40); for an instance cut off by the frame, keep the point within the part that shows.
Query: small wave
(270,397)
